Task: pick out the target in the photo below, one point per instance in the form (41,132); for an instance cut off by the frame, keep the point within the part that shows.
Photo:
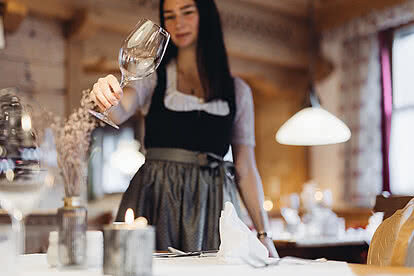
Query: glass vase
(72,226)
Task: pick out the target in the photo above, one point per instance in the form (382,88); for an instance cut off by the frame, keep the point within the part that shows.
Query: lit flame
(26,122)
(268,205)
(17,215)
(49,180)
(129,216)
(141,222)
(10,175)
(318,196)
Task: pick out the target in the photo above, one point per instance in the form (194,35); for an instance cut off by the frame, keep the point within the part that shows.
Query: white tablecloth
(36,265)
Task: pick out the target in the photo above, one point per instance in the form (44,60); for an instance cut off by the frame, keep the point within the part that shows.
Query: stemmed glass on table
(140,55)
(27,166)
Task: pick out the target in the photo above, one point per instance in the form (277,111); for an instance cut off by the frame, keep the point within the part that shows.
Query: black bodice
(190,130)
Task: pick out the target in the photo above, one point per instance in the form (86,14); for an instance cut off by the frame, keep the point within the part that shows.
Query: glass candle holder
(72,223)
(128,250)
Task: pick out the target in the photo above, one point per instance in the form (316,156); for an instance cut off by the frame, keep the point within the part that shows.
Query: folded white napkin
(238,243)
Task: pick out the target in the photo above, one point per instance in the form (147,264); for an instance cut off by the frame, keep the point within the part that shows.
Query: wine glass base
(103,118)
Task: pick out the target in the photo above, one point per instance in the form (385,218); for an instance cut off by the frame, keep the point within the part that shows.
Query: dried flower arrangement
(72,138)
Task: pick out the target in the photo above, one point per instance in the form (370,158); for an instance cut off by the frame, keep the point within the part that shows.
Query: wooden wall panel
(47,77)
(13,73)
(52,102)
(334,13)
(74,74)
(298,8)
(37,40)
(33,60)
(264,34)
(283,169)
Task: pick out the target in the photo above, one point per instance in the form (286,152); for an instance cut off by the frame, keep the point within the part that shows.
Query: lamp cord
(313,51)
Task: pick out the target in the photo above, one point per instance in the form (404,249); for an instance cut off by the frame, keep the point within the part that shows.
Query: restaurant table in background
(36,265)
(38,226)
(350,251)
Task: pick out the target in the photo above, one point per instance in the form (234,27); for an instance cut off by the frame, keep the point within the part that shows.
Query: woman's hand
(251,191)
(106,92)
(268,243)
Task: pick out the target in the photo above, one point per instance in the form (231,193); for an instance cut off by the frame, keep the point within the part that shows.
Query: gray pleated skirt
(182,193)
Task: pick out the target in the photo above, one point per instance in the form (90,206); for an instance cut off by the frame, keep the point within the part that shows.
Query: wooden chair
(389,244)
(390,204)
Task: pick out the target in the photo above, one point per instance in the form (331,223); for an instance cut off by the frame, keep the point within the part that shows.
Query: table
(359,269)
(36,265)
(351,251)
(38,226)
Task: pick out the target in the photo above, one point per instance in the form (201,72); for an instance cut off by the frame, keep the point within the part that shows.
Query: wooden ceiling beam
(82,26)
(296,8)
(100,65)
(49,8)
(331,14)
(14,14)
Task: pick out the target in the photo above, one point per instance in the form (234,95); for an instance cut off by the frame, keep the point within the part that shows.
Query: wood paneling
(329,13)
(283,168)
(52,102)
(297,8)
(333,13)
(252,31)
(38,40)
(277,81)
(33,60)
(74,53)
(49,8)
(14,13)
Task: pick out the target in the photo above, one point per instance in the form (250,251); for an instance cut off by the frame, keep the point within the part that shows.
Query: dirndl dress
(182,187)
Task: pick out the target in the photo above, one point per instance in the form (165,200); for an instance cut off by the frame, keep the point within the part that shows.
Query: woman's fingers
(106,92)
(95,100)
(100,97)
(116,88)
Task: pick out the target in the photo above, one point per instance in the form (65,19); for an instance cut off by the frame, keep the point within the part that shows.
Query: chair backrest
(390,241)
(390,204)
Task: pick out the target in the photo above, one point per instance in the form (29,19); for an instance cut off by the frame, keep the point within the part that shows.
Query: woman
(194,109)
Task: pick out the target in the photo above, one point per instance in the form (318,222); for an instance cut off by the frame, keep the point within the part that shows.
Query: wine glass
(27,167)
(139,56)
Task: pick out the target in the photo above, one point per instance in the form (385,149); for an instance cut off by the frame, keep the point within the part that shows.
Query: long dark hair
(212,60)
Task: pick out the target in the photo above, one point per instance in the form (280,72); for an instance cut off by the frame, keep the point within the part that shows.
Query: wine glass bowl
(139,56)
(142,51)
(26,166)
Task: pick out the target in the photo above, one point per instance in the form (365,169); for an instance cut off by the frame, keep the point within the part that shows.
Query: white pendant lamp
(313,126)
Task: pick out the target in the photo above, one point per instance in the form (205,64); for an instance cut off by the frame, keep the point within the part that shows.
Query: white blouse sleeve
(144,89)
(243,128)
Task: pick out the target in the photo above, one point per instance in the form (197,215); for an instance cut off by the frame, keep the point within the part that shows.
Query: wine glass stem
(19,232)
(124,82)
(106,112)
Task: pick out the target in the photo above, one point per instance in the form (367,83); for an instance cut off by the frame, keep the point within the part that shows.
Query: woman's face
(181,21)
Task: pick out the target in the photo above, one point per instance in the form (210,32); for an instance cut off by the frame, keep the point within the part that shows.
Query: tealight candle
(128,247)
